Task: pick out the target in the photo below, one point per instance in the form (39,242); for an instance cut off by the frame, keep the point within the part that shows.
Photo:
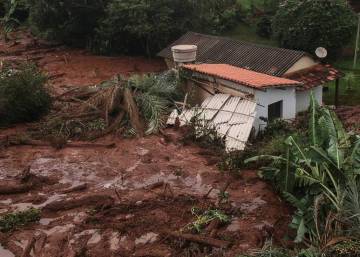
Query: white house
(275,97)
(279,80)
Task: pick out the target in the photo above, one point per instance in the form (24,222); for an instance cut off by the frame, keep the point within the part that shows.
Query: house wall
(198,92)
(273,95)
(303,98)
(303,63)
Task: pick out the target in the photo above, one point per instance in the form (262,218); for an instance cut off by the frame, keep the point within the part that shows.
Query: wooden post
(337,92)
(357,42)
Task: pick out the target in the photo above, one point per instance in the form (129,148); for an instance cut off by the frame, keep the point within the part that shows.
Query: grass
(348,96)
(11,221)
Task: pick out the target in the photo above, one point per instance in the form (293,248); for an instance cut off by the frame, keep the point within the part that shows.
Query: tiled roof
(314,76)
(264,59)
(242,76)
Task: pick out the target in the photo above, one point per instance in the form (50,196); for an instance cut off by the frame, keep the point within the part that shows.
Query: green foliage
(204,218)
(69,21)
(141,26)
(154,95)
(269,250)
(128,26)
(12,221)
(308,24)
(264,27)
(320,177)
(23,96)
(9,21)
(350,248)
(204,134)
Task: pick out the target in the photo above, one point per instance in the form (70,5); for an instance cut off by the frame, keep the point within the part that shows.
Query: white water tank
(184,53)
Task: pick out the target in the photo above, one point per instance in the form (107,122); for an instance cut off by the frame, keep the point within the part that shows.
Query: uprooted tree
(129,106)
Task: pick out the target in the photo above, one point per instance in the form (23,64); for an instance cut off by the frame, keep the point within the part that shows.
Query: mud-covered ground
(127,200)
(124,210)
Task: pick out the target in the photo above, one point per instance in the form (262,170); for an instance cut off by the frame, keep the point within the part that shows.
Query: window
(275,111)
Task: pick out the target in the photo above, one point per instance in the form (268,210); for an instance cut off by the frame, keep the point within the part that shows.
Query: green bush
(11,221)
(308,24)
(144,27)
(128,26)
(263,27)
(70,21)
(23,96)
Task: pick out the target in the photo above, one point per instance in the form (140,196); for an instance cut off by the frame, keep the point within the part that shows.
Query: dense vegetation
(320,176)
(128,26)
(23,95)
(308,24)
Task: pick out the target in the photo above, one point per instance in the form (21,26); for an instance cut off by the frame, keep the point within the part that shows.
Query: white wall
(273,95)
(303,98)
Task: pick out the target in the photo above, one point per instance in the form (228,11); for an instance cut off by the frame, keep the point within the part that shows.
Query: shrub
(23,96)
(11,221)
(70,21)
(263,27)
(144,27)
(308,24)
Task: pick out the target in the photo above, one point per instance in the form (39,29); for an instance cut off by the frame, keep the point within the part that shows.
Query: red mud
(257,213)
(350,116)
(121,211)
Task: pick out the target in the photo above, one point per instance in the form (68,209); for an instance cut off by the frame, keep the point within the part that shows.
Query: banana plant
(326,165)
(8,22)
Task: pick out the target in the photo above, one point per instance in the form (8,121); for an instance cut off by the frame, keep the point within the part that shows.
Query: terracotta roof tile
(242,76)
(315,76)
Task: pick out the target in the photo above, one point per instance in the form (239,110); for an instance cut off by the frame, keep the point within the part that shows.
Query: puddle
(58,229)
(26,206)
(189,184)
(114,241)
(5,253)
(7,201)
(148,238)
(253,205)
(46,221)
(234,226)
(95,238)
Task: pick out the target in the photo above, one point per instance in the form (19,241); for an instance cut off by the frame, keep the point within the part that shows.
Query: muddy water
(5,253)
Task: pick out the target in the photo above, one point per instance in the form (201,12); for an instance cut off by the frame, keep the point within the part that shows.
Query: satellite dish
(321,52)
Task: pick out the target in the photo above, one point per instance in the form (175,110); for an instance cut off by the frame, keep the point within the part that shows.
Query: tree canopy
(308,24)
(129,26)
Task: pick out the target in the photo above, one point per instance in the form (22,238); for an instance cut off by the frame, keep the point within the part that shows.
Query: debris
(80,187)
(200,239)
(133,112)
(28,248)
(89,200)
(232,117)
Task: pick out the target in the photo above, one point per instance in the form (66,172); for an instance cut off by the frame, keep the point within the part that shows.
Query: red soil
(134,222)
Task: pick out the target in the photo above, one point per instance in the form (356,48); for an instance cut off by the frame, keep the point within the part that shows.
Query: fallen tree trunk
(200,239)
(133,112)
(89,200)
(80,187)
(7,188)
